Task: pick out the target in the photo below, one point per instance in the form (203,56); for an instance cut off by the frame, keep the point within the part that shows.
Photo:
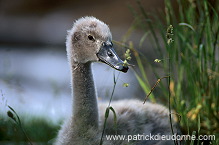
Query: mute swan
(89,41)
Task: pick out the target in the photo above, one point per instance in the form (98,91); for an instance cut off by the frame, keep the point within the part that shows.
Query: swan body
(88,41)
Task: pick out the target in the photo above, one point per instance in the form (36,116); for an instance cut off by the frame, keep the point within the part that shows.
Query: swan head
(90,40)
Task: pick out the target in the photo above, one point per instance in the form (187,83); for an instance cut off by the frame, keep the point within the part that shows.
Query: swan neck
(85,112)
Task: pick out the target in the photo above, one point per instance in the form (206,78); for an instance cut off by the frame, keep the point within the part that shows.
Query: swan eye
(90,37)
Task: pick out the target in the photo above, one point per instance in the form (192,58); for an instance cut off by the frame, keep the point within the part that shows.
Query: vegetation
(187,52)
(27,131)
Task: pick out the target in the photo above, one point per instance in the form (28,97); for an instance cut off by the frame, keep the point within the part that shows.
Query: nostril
(110,54)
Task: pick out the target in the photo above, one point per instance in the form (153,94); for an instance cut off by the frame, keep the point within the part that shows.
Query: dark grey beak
(108,55)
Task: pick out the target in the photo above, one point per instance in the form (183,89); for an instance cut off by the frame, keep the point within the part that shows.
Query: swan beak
(108,55)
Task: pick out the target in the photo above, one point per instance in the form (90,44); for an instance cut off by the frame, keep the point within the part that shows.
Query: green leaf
(143,38)
(187,25)
(192,141)
(145,88)
(107,113)
(115,118)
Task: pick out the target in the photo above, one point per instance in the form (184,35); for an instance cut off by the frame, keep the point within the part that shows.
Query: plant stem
(169,94)
(20,125)
(114,87)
